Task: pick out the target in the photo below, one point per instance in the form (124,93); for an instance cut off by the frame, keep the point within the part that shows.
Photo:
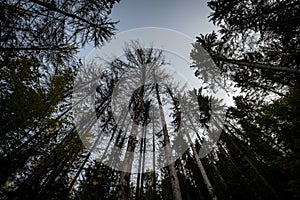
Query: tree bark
(153,159)
(256,65)
(129,156)
(202,170)
(173,174)
(137,193)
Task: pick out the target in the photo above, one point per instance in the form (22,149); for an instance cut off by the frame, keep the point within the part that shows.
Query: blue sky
(186,16)
(190,17)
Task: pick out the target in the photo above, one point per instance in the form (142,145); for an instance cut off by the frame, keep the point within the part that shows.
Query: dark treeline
(43,154)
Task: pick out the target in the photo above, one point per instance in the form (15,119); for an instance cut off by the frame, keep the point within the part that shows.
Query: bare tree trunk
(89,154)
(153,159)
(218,173)
(137,193)
(115,129)
(256,65)
(129,156)
(173,174)
(198,161)
(184,185)
(128,160)
(143,162)
(202,170)
(119,142)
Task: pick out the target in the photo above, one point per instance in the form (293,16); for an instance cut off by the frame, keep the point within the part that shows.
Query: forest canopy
(256,51)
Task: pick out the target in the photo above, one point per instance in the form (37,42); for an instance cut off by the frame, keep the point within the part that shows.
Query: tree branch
(256,65)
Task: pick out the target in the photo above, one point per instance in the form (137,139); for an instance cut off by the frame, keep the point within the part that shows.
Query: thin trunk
(253,167)
(137,193)
(86,158)
(202,170)
(185,185)
(71,15)
(153,159)
(34,48)
(230,140)
(128,160)
(241,174)
(65,162)
(173,175)
(270,139)
(256,65)
(219,174)
(116,152)
(189,117)
(129,155)
(192,166)
(198,161)
(115,129)
(55,159)
(143,162)
(265,88)
(35,136)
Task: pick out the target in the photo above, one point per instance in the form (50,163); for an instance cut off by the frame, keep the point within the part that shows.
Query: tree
(36,25)
(143,61)
(254,47)
(280,149)
(27,107)
(39,40)
(258,54)
(48,154)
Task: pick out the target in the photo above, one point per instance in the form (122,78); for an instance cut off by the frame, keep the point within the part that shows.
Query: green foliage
(272,141)
(39,147)
(99,183)
(257,49)
(254,47)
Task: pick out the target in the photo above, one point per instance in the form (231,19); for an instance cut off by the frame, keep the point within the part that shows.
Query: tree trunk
(129,156)
(230,140)
(241,174)
(143,162)
(202,170)
(171,167)
(128,160)
(153,159)
(138,179)
(256,65)
(198,161)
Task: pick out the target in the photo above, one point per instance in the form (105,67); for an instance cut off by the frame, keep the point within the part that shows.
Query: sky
(189,17)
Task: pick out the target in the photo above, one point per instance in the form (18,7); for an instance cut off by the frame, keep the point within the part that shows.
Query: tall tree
(39,40)
(254,47)
(43,26)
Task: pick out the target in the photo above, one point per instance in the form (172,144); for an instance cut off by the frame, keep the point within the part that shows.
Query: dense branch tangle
(42,24)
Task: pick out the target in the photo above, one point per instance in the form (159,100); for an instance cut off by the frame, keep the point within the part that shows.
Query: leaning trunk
(171,167)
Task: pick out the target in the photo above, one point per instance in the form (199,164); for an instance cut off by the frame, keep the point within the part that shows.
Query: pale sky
(189,17)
